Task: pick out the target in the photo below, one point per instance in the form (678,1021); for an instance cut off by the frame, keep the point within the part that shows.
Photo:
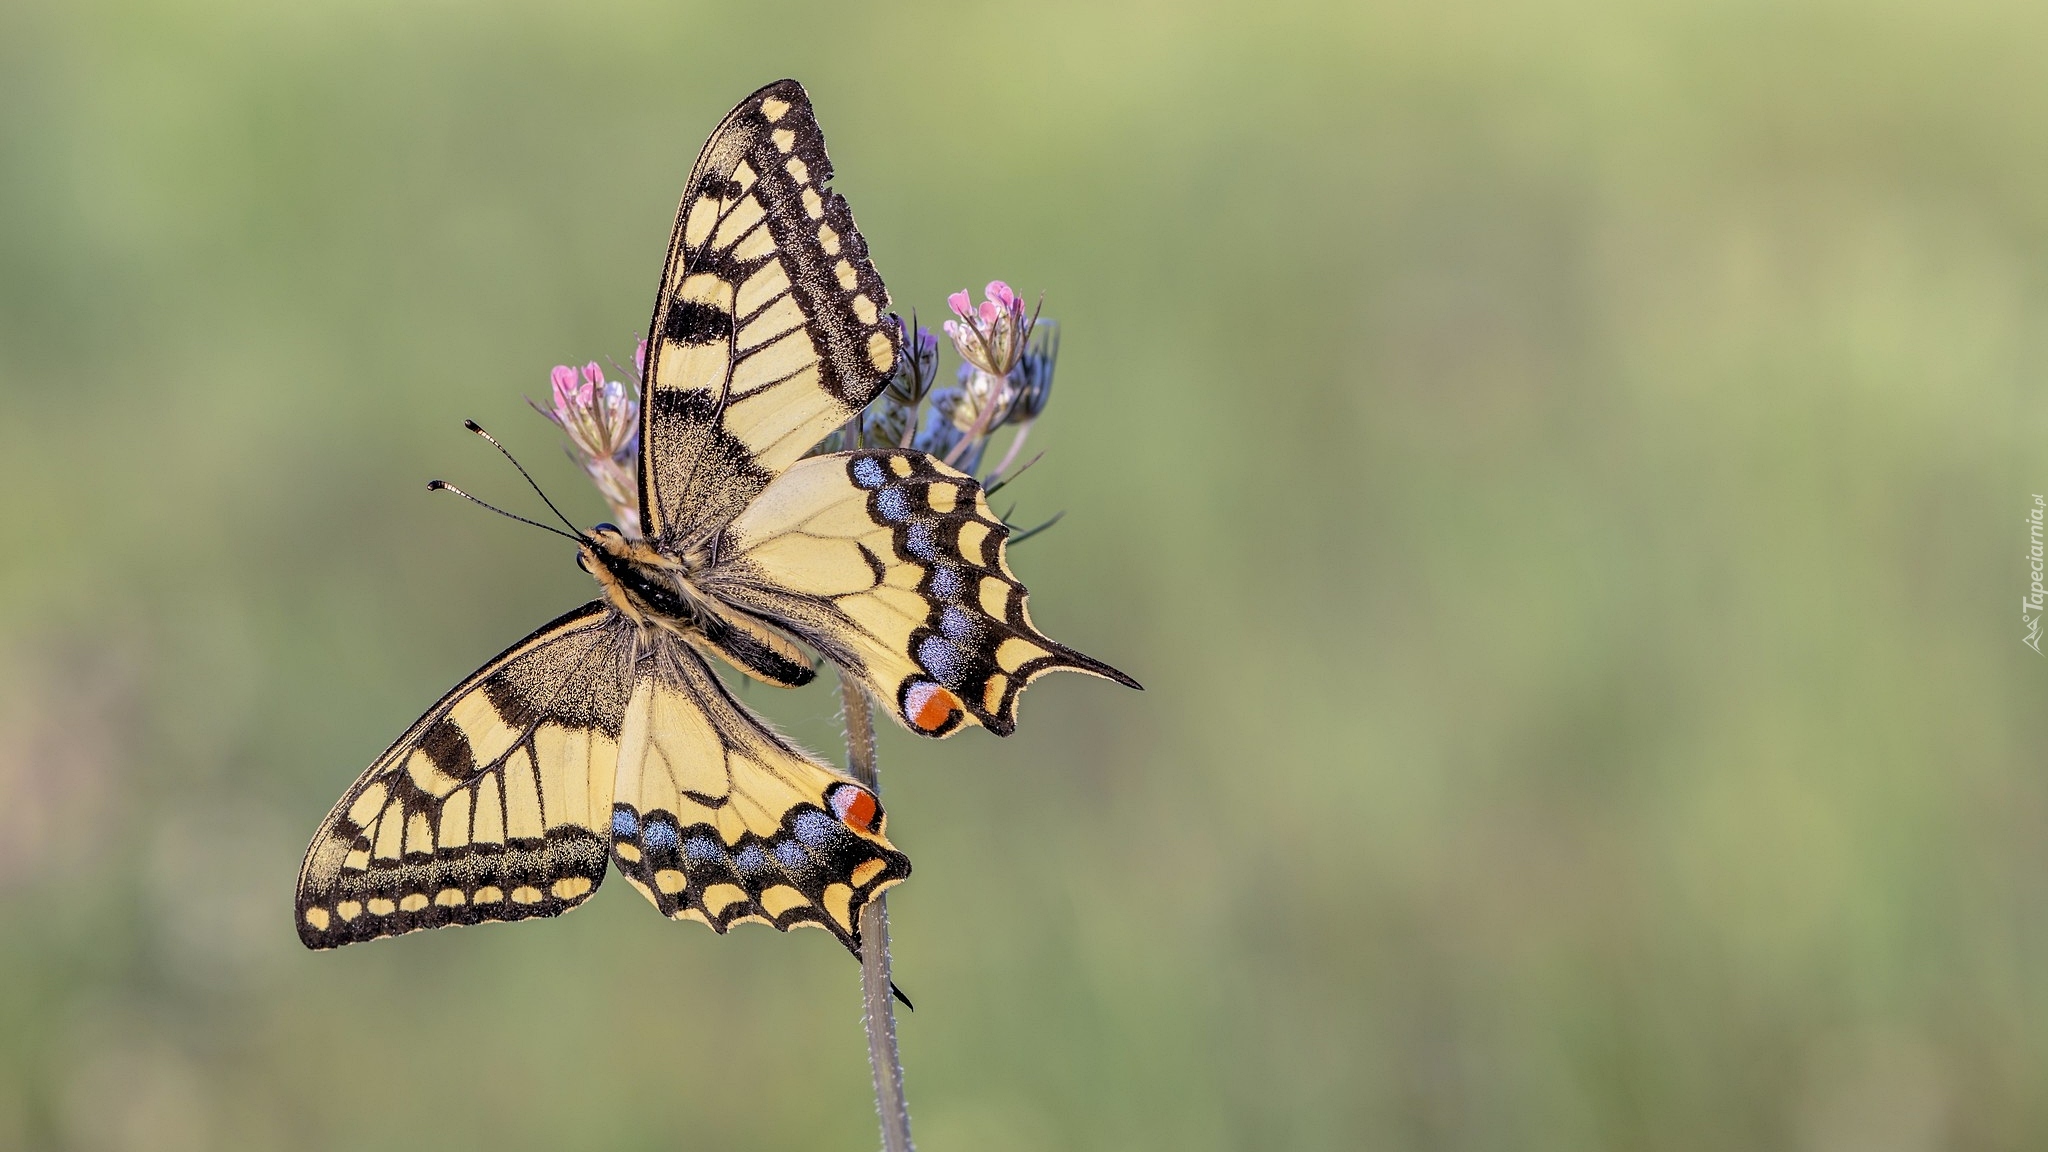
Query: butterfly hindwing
(891,564)
(770,327)
(719,819)
(495,805)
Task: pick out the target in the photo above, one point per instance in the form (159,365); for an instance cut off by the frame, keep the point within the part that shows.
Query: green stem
(999,385)
(879,1009)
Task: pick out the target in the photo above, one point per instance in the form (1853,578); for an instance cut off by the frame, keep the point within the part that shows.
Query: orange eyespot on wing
(856,807)
(929,707)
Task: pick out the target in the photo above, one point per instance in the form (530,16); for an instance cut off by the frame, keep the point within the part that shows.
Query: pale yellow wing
(719,819)
(495,805)
(891,565)
(770,328)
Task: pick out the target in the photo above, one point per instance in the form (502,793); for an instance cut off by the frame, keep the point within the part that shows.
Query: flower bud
(1031,383)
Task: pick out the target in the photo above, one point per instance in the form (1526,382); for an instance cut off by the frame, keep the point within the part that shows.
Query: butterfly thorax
(647,586)
(654,590)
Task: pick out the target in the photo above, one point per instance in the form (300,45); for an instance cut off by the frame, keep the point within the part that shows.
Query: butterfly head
(601,549)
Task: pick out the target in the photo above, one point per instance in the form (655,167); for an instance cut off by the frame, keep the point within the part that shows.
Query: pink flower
(564,378)
(601,418)
(640,357)
(990,336)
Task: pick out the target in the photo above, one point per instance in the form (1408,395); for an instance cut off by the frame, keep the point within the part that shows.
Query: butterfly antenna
(473,426)
(444,486)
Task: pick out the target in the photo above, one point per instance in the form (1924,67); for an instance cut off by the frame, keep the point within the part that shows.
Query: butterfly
(607,737)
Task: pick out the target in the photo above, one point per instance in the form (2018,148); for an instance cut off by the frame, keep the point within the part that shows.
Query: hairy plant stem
(879,1009)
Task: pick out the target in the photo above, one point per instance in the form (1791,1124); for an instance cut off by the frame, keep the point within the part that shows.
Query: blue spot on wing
(946,582)
(792,856)
(868,472)
(892,504)
(704,848)
(956,624)
(658,836)
(919,542)
(624,823)
(942,660)
(814,827)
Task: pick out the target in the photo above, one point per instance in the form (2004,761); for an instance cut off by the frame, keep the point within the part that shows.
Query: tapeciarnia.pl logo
(2032,603)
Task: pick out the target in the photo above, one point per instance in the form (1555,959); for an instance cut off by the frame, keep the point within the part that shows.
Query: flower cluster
(1004,380)
(602,421)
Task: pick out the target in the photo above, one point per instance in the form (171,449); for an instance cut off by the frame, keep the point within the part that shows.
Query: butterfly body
(605,738)
(654,591)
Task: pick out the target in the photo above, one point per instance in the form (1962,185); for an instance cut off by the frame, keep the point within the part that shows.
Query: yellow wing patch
(720,820)
(493,806)
(891,564)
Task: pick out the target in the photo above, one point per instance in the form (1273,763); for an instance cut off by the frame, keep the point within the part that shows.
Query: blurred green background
(1558,467)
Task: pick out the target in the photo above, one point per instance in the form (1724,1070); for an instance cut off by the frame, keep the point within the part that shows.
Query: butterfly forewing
(719,819)
(770,327)
(891,564)
(495,805)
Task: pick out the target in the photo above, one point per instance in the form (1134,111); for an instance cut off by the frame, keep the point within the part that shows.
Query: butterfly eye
(583,561)
(611,528)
